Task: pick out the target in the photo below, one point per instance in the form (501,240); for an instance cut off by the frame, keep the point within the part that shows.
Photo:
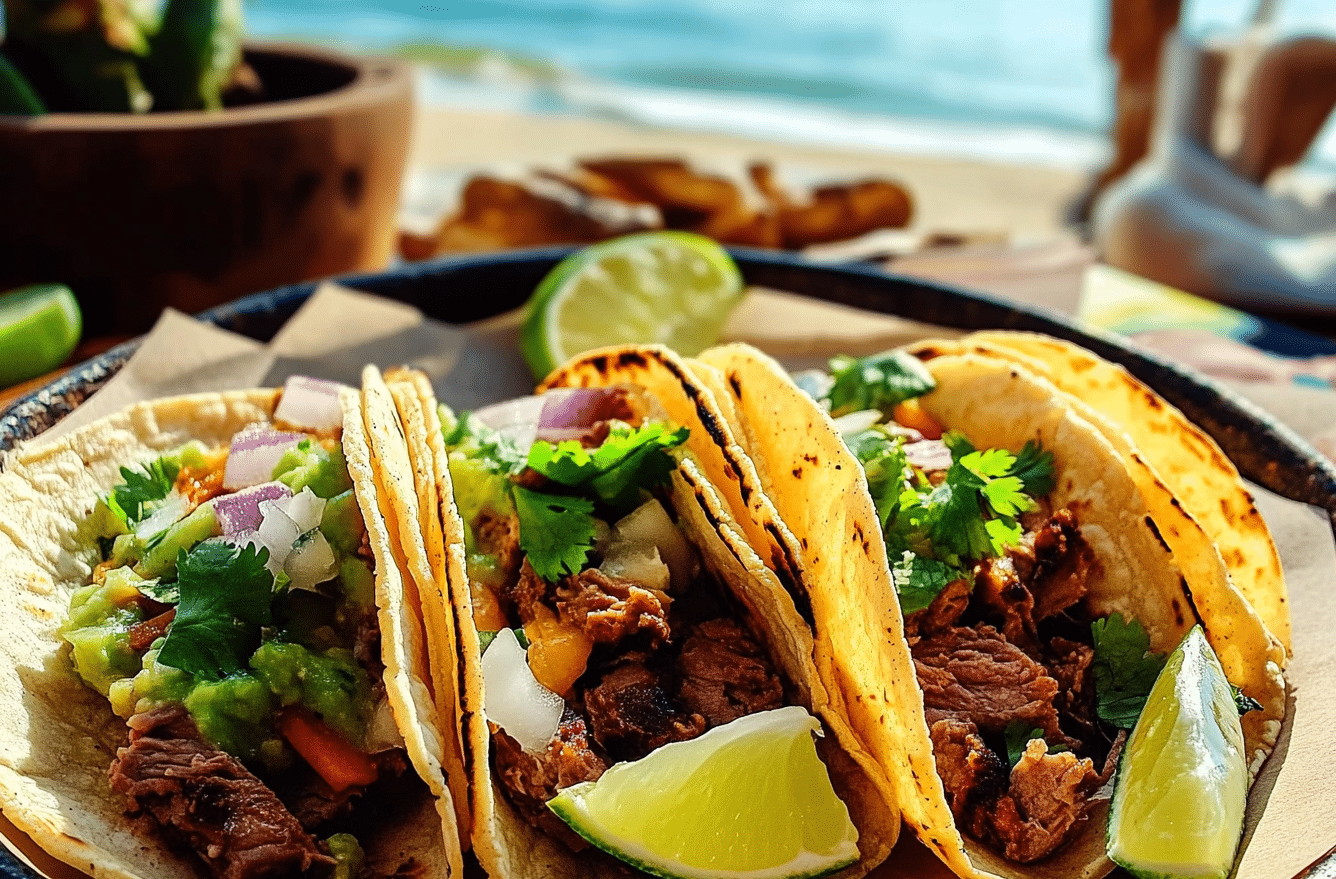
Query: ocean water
(1025,80)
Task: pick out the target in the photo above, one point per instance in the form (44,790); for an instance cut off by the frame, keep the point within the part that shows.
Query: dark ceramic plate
(468,288)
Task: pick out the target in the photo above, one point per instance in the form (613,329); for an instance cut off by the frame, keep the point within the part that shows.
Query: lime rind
(1182,784)
(747,800)
(672,288)
(39,328)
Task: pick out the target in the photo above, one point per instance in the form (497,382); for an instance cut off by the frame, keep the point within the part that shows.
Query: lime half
(39,327)
(1182,784)
(747,799)
(674,288)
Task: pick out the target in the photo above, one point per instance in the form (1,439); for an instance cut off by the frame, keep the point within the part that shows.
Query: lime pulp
(747,800)
(1182,785)
(671,288)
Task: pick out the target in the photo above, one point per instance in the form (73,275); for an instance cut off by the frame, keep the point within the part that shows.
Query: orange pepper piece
(910,414)
(329,753)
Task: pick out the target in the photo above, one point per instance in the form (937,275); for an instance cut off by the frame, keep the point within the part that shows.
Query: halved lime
(1182,784)
(39,327)
(747,799)
(674,288)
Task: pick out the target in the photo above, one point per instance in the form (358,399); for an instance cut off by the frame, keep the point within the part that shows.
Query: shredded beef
(725,674)
(1000,590)
(631,713)
(977,675)
(611,608)
(1069,664)
(206,800)
(944,612)
(525,593)
(1027,812)
(972,775)
(1048,796)
(533,779)
(1061,562)
(499,537)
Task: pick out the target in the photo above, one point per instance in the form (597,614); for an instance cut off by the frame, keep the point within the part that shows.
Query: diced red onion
(512,697)
(311,561)
(928,455)
(523,410)
(574,408)
(310,403)
(254,453)
(239,512)
(855,422)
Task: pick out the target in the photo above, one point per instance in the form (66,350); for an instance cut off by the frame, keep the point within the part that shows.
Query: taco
(210,666)
(583,521)
(1030,579)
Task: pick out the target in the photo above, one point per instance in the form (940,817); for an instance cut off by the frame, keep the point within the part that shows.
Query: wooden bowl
(191,209)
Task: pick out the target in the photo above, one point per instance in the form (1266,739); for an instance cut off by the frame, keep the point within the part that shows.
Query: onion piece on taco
(1017,579)
(203,601)
(584,537)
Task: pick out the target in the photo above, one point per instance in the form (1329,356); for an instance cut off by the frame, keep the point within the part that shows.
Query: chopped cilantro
(1019,735)
(886,468)
(1124,668)
(958,443)
(1034,468)
(630,459)
(879,381)
(225,600)
(918,580)
(143,490)
(485,640)
(1243,702)
(556,531)
(497,452)
(167,593)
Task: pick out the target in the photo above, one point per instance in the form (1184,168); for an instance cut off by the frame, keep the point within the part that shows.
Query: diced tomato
(911,414)
(330,754)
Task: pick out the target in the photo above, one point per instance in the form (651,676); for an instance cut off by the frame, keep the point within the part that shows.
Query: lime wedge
(747,799)
(1182,782)
(674,288)
(39,327)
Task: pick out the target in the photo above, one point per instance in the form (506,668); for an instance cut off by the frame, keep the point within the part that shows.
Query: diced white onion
(637,562)
(310,403)
(512,697)
(240,512)
(649,525)
(815,383)
(853,422)
(278,532)
(311,561)
(253,455)
(382,732)
(305,509)
(173,509)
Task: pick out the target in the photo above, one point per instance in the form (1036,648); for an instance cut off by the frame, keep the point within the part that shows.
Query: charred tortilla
(818,487)
(508,845)
(59,735)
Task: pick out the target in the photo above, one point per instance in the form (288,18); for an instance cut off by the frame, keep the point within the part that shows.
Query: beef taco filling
(580,576)
(233,624)
(1028,694)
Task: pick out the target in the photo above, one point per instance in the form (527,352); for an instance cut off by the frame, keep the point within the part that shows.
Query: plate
(467,288)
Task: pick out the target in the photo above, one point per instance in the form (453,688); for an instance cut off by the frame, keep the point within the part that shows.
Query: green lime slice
(39,327)
(1182,784)
(674,288)
(747,799)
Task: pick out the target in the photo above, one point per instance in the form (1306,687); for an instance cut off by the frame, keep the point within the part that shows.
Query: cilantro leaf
(629,459)
(951,517)
(225,600)
(143,490)
(879,381)
(886,469)
(1019,735)
(497,452)
(958,443)
(918,580)
(1034,468)
(556,532)
(1124,668)
(1244,703)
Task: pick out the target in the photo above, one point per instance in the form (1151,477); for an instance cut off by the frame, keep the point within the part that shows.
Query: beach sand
(951,195)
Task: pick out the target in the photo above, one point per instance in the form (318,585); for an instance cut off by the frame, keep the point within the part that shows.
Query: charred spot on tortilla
(736,384)
(1155,530)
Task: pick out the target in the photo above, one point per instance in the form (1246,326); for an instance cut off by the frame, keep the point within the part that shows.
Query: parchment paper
(1292,810)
